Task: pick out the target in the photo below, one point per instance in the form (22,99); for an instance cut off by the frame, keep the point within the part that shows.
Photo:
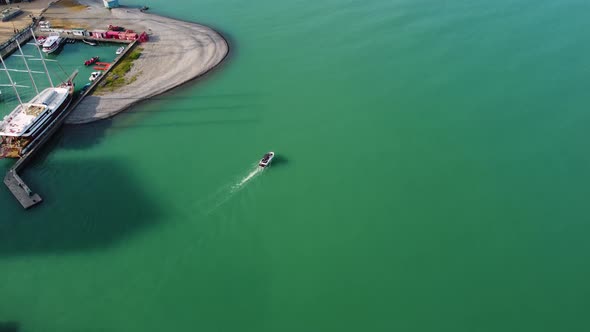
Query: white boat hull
(266,160)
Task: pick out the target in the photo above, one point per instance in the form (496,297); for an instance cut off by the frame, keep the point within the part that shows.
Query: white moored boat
(120,50)
(89,42)
(52,43)
(94,75)
(265,161)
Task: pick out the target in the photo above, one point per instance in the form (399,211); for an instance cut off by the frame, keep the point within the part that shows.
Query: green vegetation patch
(117,76)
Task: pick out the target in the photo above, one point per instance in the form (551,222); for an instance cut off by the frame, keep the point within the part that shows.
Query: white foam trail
(226,192)
(247,178)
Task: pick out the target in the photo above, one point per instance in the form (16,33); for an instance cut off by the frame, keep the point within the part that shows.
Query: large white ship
(30,120)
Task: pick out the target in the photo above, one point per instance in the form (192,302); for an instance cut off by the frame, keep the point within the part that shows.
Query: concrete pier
(21,191)
(26,197)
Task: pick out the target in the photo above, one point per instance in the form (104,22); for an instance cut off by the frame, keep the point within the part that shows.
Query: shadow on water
(9,327)
(279,160)
(88,205)
(76,137)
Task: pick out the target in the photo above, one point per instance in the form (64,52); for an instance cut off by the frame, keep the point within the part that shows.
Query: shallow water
(431,175)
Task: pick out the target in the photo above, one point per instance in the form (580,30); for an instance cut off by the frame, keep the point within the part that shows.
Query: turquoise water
(431,175)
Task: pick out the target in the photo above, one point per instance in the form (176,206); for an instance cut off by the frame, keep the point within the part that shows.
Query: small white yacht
(52,43)
(265,161)
(94,75)
(120,50)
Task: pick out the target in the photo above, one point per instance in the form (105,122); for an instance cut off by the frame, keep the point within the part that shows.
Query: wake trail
(226,192)
(247,178)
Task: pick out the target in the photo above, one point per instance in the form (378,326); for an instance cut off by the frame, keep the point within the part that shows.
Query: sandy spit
(177,52)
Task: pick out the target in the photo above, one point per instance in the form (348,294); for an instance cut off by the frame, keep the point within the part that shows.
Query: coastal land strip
(176,53)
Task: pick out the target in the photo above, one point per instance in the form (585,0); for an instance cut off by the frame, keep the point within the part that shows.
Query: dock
(25,196)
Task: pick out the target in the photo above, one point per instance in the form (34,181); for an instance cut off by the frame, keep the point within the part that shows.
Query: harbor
(208,50)
(13,181)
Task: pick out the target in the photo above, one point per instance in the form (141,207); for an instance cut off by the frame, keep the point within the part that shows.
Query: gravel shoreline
(176,53)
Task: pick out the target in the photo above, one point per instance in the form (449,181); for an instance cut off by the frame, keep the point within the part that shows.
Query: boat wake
(247,178)
(226,192)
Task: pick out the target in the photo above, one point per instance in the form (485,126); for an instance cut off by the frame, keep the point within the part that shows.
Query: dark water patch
(9,327)
(76,137)
(279,160)
(89,204)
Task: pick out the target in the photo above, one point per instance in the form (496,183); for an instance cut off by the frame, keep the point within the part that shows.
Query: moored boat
(91,43)
(91,61)
(266,159)
(52,43)
(120,50)
(94,76)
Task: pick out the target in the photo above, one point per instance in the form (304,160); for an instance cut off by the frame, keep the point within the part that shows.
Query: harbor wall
(22,37)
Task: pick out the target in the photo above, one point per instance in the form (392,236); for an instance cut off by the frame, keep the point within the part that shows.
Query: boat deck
(15,123)
(18,121)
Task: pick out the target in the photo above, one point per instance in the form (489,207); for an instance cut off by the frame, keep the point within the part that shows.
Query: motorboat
(94,76)
(85,87)
(91,43)
(265,161)
(120,50)
(91,61)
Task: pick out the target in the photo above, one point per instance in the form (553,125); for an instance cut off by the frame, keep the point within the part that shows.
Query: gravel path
(176,53)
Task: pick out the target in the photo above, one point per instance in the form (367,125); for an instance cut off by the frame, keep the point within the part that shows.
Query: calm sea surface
(433,174)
